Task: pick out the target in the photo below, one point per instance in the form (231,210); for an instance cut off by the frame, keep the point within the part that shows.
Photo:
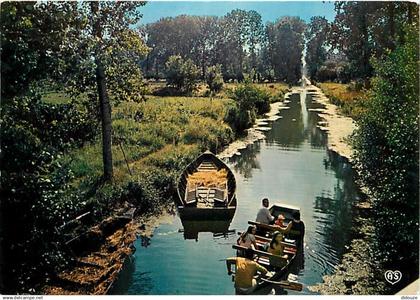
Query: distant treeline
(238,41)
(337,51)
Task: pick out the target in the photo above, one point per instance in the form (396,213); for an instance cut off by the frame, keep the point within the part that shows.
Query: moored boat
(207,189)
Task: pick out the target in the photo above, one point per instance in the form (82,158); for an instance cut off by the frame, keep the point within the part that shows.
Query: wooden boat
(207,190)
(275,210)
(277,266)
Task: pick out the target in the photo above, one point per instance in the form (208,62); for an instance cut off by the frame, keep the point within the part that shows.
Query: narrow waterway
(290,166)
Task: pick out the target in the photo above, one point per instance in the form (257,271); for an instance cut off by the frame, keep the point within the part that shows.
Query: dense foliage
(360,30)
(36,196)
(387,152)
(238,42)
(183,74)
(250,101)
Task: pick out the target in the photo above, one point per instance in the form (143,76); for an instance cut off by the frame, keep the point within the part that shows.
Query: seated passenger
(264,216)
(247,239)
(280,223)
(246,269)
(276,247)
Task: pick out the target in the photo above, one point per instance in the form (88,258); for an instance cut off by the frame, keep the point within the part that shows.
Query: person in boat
(264,216)
(247,239)
(297,229)
(246,269)
(276,246)
(280,223)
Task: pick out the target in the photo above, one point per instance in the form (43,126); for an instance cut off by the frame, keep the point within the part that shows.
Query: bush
(387,152)
(183,74)
(249,97)
(214,79)
(249,101)
(238,119)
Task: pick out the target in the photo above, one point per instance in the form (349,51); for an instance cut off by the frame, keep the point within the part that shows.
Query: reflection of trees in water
(335,209)
(245,163)
(289,131)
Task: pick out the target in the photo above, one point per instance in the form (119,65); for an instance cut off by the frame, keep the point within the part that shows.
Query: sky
(269,10)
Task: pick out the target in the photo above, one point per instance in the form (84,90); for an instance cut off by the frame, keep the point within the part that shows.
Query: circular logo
(393,276)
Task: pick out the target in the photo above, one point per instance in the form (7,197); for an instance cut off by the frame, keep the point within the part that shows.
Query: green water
(290,166)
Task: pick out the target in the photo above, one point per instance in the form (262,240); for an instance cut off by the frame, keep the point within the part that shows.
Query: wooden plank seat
(219,196)
(202,192)
(190,197)
(207,166)
(274,260)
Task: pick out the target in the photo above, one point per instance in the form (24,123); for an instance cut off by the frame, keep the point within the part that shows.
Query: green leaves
(387,152)
(214,79)
(183,74)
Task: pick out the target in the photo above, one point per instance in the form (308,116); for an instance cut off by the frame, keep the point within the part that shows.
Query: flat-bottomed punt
(206,189)
(278,266)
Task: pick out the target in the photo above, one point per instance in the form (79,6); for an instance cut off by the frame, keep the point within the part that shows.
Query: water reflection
(288,131)
(219,228)
(247,162)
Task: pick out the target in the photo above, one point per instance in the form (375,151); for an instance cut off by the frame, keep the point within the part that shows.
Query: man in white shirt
(263,215)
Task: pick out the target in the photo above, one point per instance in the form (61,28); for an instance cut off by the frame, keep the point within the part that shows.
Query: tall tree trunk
(366,53)
(103,100)
(203,65)
(391,25)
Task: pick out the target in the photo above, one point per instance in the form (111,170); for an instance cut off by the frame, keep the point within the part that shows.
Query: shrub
(183,74)
(214,79)
(249,97)
(387,152)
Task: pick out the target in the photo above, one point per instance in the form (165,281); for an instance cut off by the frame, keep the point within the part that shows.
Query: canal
(292,166)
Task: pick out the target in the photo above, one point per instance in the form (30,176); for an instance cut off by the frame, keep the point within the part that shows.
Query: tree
(358,31)
(214,79)
(101,48)
(183,74)
(316,42)
(31,33)
(285,44)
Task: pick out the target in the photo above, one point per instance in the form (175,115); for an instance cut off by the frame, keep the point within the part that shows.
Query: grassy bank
(60,144)
(153,141)
(352,102)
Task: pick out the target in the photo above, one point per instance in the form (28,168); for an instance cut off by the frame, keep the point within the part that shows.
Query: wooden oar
(290,285)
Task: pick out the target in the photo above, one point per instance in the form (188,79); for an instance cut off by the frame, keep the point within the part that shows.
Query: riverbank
(256,132)
(338,127)
(95,272)
(358,273)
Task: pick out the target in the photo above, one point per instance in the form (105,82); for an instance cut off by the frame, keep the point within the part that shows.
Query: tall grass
(352,102)
(156,139)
